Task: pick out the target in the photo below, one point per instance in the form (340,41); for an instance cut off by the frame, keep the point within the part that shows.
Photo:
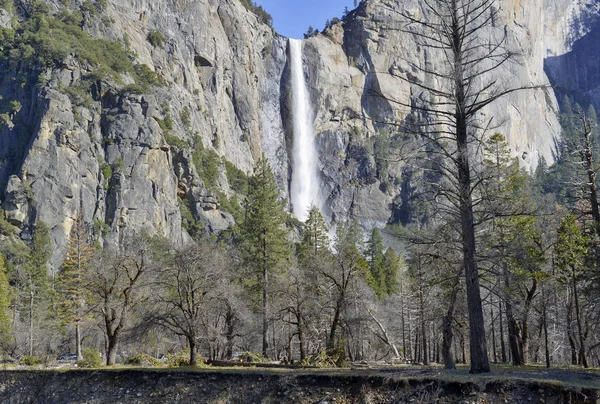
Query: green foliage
(89,8)
(252,357)
(570,248)
(91,359)
(190,224)
(238,180)
(175,141)
(392,264)
(156,38)
(107,172)
(315,236)
(231,205)
(142,359)
(79,94)
(44,41)
(375,258)
(146,77)
(30,360)
(100,228)
(71,284)
(6,297)
(265,246)
(6,228)
(178,359)
(186,119)
(260,12)
(207,163)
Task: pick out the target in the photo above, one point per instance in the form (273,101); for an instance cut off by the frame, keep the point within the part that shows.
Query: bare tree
(188,280)
(463,33)
(115,280)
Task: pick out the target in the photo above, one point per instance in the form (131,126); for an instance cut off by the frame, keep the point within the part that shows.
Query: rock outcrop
(133,160)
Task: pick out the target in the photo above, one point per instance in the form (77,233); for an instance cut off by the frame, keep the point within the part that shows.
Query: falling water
(305,180)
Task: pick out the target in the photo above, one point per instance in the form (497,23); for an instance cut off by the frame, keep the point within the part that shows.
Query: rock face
(225,90)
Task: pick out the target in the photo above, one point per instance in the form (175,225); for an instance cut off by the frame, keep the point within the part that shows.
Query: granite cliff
(164,144)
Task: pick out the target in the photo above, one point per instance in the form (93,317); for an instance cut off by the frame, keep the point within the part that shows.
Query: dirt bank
(270,386)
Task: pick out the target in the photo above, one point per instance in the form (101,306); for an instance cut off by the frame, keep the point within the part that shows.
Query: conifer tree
(392,263)
(315,235)
(72,290)
(33,277)
(6,296)
(571,249)
(264,236)
(375,258)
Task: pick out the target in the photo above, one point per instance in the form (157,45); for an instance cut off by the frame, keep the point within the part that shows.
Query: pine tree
(6,296)
(33,277)
(375,258)
(392,263)
(315,235)
(571,249)
(71,281)
(264,235)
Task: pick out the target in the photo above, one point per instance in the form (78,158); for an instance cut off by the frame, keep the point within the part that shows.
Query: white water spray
(305,180)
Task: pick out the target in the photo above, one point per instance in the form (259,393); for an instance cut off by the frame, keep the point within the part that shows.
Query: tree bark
(582,355)
(78,341)
(447,333)
(193,350)
(111,353)
(502,346)
(591,172)
(545,320)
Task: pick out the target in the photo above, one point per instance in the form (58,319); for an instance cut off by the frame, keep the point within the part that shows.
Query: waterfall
(305,180)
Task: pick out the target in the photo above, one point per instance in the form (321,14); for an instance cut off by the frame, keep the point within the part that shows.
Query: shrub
(251,357)
(238,180)
(178,359)
(207,163)
(176,142)
(190,224)
(142,359)
(186,118)
(106,173)
(156,38)
(91,359)
(29,360)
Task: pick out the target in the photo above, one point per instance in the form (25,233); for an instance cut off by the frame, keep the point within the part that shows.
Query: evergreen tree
(315,235)
(71,280)
(375,258)
(392,263)
(6,296)
(264,235)
(33,277)
(571,249)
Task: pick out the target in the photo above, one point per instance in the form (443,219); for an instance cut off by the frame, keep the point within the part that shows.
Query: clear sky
(291,18)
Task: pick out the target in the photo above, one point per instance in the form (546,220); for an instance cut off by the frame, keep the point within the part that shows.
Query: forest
(491,263)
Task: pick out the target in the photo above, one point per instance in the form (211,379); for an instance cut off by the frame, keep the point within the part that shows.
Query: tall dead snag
(464,34)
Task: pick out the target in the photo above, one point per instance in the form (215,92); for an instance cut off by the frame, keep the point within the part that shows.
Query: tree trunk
(545,320)
(111,353)
(334,324)
(301,339)
(193,350)
(589,165)
(78,341)
(582,355)
(265,322)
(502,346)
(493,333)
(447,333)
(229,336)
(423,331)
(513,340)
(31,301)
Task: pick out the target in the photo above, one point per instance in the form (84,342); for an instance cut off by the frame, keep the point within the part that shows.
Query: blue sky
(292,17)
